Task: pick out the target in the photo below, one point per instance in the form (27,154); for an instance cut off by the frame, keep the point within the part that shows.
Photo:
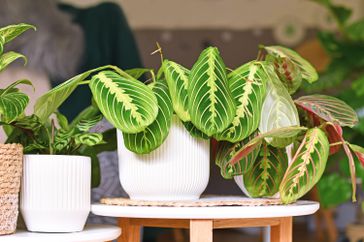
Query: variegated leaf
(177,80)
(307,167)
(194,132)
(359,152)
(88,139)
(12,105)
(307,70)
(227,150)
(211,105)
(329,108)
(248,87)
(86,124)
(255,143)
(10,32)
(154,135)
(289,73)
(126,103)
(267,172)
(278,110)
(9,57)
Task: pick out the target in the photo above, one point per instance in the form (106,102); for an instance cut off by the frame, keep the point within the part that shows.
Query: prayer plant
(278,144)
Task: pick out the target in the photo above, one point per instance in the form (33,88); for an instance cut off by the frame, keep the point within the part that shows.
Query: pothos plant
(250,109)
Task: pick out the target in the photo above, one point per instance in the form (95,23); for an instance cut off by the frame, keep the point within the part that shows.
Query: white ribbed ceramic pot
(178,170)
(56,192)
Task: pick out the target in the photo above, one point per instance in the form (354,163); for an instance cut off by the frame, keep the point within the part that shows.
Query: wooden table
(91,233)
(202,220)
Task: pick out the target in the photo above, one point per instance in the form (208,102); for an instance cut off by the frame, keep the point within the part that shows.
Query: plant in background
(344,78)
(12,101)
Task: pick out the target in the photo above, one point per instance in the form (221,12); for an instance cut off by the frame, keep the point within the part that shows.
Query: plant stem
(52,137)
(159,49)
(84,82)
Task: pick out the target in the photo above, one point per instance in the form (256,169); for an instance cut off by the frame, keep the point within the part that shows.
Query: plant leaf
(359,152)
(9,57)
(10,32)
(227,150)
(126,103)
(137,72)
(12,105)
(289,73)
(308,72)
(85,125)
(89,112)
(307,166)
(248,87)
(278,110)
(329,109)
(154,135)
(89,139)
(267,172)
(211,104)
(177,80)
(257,141)
(62,120)
(333,190)
(195,132)
(13,85)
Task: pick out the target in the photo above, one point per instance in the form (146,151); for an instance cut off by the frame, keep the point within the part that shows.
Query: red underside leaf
(359,152)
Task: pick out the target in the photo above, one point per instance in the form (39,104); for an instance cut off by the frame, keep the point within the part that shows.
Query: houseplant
(213,101)
(280,160)
(12,105)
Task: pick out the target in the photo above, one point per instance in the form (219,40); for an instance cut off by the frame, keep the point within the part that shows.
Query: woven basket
(11,164)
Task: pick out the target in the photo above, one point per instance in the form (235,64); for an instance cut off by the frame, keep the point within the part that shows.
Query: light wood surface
(201,230)
(283,231)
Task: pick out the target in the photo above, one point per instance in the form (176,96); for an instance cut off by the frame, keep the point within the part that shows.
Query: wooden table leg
(283,231)
(129,232)
(200,230)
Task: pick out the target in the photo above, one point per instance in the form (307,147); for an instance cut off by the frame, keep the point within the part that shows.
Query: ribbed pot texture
(177,170)
(56,192)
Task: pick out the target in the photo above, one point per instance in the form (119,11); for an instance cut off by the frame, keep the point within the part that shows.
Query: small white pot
(56,192)
(178,170)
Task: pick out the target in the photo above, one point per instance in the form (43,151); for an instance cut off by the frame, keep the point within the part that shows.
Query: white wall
(231,14)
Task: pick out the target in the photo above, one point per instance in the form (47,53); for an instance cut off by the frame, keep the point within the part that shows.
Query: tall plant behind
(344,78)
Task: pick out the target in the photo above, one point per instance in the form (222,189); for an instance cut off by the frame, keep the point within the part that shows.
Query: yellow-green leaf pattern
(248,87)
(211,105)
(307,166)
(155,134)
(126,103)
(177,80)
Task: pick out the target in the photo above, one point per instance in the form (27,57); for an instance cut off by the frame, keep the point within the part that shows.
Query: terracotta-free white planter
(178,170)
(56,192)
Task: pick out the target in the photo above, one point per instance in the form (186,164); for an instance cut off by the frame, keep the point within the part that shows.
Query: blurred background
(77,35)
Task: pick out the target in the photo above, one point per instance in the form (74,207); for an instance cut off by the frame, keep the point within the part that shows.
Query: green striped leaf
(308,72)
(329,108)
(278,110)
(264,178)
(307,166)
(89,139)
(86,124)
(211,105)
(226,151)
(154,135)
(126,103)
(248,87)
(9,57)
(10,32)
(177,80)
(12,105)
(194,132)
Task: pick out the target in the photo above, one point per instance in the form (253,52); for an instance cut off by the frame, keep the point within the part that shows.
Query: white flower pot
(178,170)
(55,194)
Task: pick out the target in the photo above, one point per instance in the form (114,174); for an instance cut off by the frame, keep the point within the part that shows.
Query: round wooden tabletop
(91,233)
(299,208)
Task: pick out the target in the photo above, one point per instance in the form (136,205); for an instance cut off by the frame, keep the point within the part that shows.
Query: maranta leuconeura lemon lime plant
(279,145)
